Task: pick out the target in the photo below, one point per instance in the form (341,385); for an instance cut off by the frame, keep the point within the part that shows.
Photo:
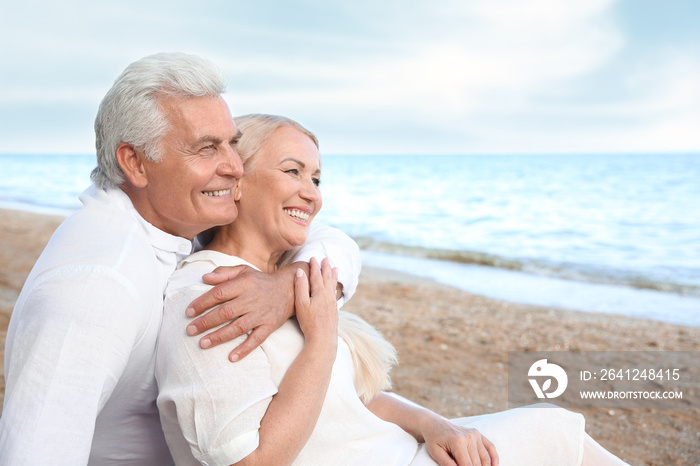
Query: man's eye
(207,149)
(317,182)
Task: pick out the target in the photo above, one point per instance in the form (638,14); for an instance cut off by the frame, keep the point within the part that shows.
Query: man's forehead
(197,112)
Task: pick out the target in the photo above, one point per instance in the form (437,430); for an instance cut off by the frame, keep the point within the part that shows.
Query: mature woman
(311,393)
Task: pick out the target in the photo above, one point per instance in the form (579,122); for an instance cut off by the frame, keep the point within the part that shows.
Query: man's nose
(232,164)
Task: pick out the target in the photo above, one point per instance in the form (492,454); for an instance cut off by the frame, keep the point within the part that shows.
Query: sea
(616,233)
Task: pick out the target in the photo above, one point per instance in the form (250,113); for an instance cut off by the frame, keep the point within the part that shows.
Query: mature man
(79,360)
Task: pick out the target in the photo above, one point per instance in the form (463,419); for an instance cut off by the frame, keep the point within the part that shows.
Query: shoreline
(453,345)
(527,288)
(513,285)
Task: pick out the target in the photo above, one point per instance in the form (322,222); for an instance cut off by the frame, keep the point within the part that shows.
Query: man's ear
(131,162)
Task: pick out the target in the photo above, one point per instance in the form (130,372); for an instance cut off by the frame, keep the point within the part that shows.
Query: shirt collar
(157,237)
(219,259)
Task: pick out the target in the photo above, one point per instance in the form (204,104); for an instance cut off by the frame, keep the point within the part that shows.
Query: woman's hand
(294,410)
(450,444)
(315,303)
(447,443)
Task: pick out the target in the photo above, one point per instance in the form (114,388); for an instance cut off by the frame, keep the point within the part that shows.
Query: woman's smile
(299,214)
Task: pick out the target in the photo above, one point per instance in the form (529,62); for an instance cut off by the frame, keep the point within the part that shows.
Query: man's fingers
(214,318)
(222,274)
(254,340)
(219,294)
(226,333)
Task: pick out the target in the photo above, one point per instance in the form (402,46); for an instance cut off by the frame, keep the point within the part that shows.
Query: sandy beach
(453,346)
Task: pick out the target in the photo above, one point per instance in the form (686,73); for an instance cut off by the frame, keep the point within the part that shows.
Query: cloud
(444,66)
(445,76)
(494,50)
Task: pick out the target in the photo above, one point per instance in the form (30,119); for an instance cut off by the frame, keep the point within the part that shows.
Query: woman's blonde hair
(256,129)
(372,355)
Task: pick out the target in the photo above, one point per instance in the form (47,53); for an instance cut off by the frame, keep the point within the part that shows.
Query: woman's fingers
(315,277)
(442,458)
(322,277)
(301,289)
(475,454)
(466,451)
(490,451)
(451,444)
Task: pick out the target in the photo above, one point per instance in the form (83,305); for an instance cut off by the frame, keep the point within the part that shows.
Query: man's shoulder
(106,238)
(95,257)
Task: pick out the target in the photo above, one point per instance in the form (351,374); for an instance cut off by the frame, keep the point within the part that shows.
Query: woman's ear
(131,162)
(237,191)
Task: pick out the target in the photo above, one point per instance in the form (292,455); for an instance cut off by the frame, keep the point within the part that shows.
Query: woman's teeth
(297,214)
(222,192)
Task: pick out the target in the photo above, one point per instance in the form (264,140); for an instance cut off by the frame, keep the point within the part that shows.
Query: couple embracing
(102,365)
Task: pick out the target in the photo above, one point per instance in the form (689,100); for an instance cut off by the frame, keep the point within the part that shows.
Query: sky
(377,76)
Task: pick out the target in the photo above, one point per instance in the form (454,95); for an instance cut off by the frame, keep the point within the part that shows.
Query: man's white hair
(130,112)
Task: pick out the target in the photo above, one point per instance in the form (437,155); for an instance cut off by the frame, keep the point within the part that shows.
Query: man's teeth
(297,214)
(221,192)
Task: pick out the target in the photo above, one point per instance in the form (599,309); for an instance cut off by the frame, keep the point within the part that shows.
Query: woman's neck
(230,240)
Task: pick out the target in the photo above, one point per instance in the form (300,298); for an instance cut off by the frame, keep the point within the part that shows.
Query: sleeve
(70,339)
(210,408)
(324,241)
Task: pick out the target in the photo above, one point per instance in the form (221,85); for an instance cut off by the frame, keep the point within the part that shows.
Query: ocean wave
(567,271)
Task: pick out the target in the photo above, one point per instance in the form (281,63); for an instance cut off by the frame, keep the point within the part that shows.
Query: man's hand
(251,301)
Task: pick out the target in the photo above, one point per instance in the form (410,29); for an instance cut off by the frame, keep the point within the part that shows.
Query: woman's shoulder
(212,259)
(190,270)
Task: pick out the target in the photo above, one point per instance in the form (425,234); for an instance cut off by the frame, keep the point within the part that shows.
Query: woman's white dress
(211,408)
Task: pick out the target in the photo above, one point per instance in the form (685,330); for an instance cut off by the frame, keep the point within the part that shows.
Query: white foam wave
(546,291)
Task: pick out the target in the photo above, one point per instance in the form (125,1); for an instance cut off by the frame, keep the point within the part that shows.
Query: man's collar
(157,237)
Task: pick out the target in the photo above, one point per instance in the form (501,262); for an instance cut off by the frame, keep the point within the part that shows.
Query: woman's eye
(292,171)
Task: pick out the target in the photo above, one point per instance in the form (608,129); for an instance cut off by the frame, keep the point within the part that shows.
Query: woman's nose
(310,191)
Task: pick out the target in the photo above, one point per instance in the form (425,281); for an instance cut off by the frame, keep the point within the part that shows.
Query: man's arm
(68,344)
(260,303)
(250,300)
